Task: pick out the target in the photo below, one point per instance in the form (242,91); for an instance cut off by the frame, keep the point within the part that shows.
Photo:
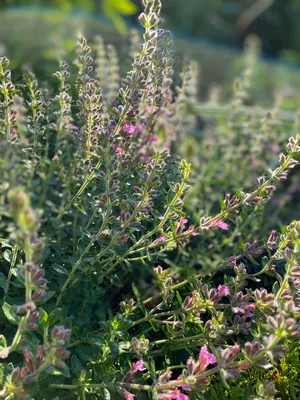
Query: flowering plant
(92,209)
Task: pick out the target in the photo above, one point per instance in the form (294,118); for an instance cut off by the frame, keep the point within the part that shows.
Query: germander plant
(88,205)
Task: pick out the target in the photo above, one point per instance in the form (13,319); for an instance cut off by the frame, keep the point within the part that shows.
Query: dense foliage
(126,271)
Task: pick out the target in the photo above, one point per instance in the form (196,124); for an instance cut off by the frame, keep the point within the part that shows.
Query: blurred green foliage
(114,9)
(276,22)
(277,26)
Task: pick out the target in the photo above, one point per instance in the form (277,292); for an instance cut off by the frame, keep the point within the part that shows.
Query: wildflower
(119,151)
(173,395)
(152,138)
(229,353)
(191,230)
(128,128)
(138,366)
(161,239)
(166,376)
(126,395)
(224,290)
(220,224)
(205,359)
(181,224)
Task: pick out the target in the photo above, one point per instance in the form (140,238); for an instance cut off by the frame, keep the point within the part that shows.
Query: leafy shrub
(90,201)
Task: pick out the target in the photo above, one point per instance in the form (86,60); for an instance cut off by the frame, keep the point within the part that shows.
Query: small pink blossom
(138,366)
(152,138)
(161,239)
(220,224)
(192,231)
(251,307)
(129,128)
(127,395)
(142,151)
(173,395)
(184,386)
(205,359)
(181,224)
(119,151)
(235,349)
(224,290)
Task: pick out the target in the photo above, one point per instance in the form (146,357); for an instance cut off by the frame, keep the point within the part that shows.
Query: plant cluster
(96,230)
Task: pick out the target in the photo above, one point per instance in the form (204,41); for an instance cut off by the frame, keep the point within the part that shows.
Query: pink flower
(138,366)
(251,307)
(152,138)
(142,151)
(129,128)
(223,290)
(220,224)
(127,395)
(192,231)
(205,359)
(119,151)
(184,386)
(235,349)
(173,395)
(181,224)
(161,239)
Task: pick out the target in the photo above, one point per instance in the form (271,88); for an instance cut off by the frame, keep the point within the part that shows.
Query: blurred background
(212,32)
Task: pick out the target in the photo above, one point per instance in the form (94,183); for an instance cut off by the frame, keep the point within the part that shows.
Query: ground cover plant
(101,294)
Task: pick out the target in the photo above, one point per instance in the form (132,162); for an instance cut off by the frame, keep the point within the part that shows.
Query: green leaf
(8,312)
(2,280)
(106,395)
(5,243)
(44,317)
(3,342)
(32,389)
(275,288)
(7,256)
(77,365)
(56,315)
(87,353)
(60,269)
(179,299)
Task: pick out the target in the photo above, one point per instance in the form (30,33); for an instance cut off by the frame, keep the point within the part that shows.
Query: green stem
(91,243)
(12,265)
(81,190)
(6,105)
(154,230)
